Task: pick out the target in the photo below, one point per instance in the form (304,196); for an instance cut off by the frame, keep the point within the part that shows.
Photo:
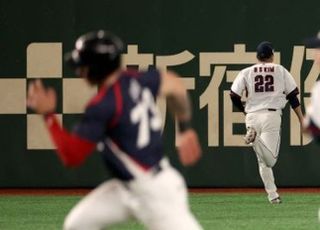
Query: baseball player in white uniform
(268,86)
(312,118)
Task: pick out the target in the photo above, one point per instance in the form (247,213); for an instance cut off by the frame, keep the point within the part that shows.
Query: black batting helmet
(100,51)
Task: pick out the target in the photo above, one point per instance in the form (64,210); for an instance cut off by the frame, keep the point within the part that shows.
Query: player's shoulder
(247,70)
(150,79)
(98,98)
(133,73)
(279,66)
(102,102)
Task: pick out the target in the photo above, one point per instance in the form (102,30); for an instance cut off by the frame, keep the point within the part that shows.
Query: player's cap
(100,51)
(264,50)
(313,42)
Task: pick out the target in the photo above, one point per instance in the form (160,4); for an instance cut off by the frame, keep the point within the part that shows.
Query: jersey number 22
(263,83)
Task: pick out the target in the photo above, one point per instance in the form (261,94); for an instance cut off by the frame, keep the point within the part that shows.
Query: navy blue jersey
(126,123)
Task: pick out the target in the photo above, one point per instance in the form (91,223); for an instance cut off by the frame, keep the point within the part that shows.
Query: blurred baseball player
(312,119)
(124,123)
(268,86)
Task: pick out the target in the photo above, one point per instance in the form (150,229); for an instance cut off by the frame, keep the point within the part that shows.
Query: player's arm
(295,104)
(299,114)
(292,91)
(236,101)
(71,148)
(179,104)
(237,88)
(174,90)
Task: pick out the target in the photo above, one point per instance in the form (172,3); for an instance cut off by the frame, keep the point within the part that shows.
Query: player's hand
(189,149)
(42,100)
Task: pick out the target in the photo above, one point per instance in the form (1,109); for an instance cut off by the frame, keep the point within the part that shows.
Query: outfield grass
(214,211)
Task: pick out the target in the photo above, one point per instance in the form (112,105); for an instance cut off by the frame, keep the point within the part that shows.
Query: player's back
(266,85)
(138,131)
(126,121)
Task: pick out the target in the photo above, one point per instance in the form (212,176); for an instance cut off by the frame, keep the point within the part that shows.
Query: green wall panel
(162,28)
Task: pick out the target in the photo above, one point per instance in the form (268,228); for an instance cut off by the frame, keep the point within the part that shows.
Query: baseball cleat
(250,136)
(276,200)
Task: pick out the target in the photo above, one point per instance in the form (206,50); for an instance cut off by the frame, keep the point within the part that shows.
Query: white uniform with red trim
(267,85)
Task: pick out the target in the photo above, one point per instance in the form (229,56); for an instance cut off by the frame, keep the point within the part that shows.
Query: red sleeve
(71,149)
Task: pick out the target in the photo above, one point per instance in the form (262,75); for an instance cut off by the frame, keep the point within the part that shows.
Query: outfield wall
(207,42)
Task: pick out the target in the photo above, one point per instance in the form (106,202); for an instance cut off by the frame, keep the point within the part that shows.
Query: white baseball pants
(266,145)
(158,201)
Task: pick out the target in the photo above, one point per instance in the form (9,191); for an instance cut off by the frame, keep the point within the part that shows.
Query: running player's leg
(173,209)
(165,203)
(267,143)
(267,177)
(104,206)
(266,147)
(268,155)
